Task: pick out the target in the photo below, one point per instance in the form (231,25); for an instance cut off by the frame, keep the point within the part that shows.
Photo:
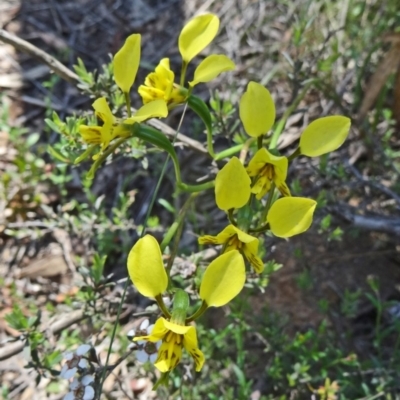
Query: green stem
(210,144)
(289,111)
(176,230)
(162,306)
(261,229)
(268,205)
(295,154)
(231,218)
(260,142)
(163,380)
(183,73)
(198,313)
(103,156)
(128,104)
(229,152)
(159,298)
(195,188)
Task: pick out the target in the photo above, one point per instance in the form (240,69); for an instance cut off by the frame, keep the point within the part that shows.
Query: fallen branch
(26,47)
(368,222)
(67,320)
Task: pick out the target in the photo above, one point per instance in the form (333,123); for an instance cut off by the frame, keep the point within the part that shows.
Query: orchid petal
(197,34)
(223,279)
(232,185)
(257,110)
(324,135)
(146,268)
(211,67)
(126,63)
(289,216)
(154,109)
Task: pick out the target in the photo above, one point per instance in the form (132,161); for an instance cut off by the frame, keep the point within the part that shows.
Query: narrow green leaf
(57,155)
(201,109)
(52,125)
(158,139)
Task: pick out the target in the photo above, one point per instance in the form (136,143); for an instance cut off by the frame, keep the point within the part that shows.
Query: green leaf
(158,139)
(53,358)
(57,155)
(201,109)
(85,154)
(52,125)
(16,319)
(32,139)
(98,268)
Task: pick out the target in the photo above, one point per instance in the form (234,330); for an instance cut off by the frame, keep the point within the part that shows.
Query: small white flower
(394,311)
(81,389)
(74,361)
(147,351)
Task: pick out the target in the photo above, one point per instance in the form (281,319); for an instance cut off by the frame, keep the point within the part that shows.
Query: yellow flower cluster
(237,187)
(235,184)
(196,35)
(159,93)
(223,279)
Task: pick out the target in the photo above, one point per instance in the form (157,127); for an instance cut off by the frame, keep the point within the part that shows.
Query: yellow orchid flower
(146,268)
(257,110)
(232,185)
(324,135)
(174,336)
(160,85)
(289,216)
(196,35)
(114,127)
(111,128)
(211,67)
(268,168)
(223,279)
(235,239)
(126,63)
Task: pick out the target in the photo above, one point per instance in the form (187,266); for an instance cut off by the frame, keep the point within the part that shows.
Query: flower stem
(103,156)
(295,154)
(183,73)
(229,152)
(176,230)
(231,218)
(268,205)
(260,142)
(198,313)
(128,104)
(195,188)
(162,306)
